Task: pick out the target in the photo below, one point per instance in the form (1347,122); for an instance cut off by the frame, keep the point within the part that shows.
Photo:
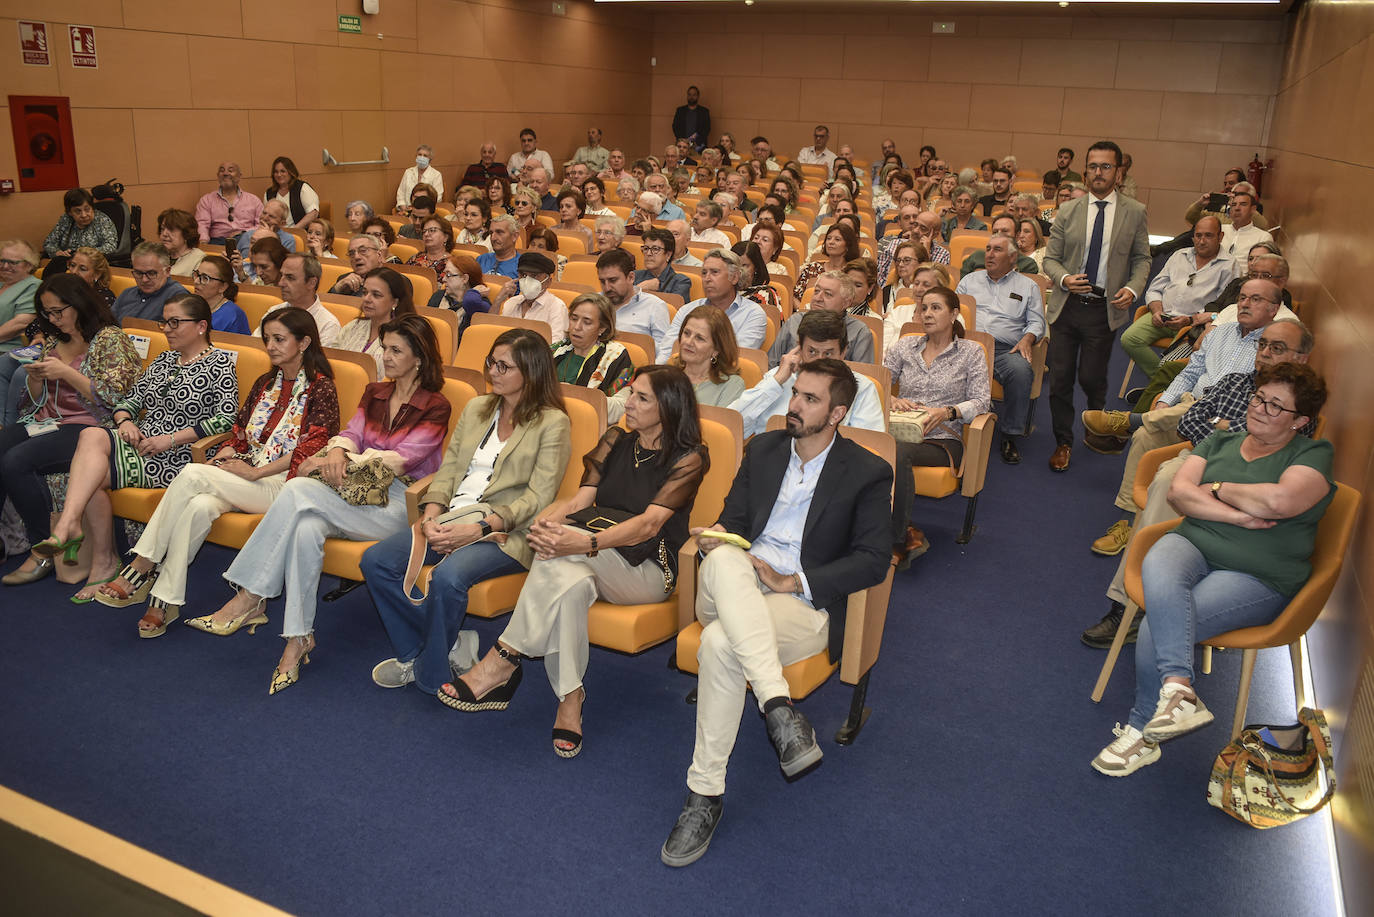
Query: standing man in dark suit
(692,122)
(817,509)
(1098,258)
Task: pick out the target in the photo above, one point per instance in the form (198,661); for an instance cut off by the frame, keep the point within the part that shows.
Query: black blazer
(846,544)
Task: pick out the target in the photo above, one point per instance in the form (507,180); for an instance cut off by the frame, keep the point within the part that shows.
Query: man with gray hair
(272,218)
(300,285)
(1025,206)
(658,184)
(365,253)
(539,184)
(721,271)
(480,173)
(1010,309)
(421,172)
(503,259)
(227,211)
(682,236)
(153,284)
(648,207)
(835,292)
(704,222)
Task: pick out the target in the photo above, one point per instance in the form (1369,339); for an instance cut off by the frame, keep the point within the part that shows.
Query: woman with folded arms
(187,393)
(509,453)
(589,357)
(647,478)
(288,416)
(214,281)
(402,421)
(386,296)
(708,353)
(86,366)
(1251,502)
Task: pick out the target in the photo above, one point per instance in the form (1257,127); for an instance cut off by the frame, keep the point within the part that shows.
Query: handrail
(329,160)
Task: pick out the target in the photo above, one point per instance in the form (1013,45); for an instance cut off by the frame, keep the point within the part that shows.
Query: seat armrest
(1148,467)
(687,559)
(1141,542)
(413,494)
(201,448)
(977,449)
(864,622)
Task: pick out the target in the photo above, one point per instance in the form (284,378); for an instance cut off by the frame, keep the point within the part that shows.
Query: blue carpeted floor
(968,792)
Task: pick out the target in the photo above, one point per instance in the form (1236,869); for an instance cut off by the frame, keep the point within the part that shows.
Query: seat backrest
(984,340)
(353,372)
(122,216)
(506,322)
(250,359)
(445,325)
(724,438)
(753,363)
(331,271)
(459,392)
(255,304)
(878,376)
(121,279)
(423,281)
(1334,533)
(581,272)
(587,413)
(875,328)
(476,345)
(148,339)
(640,347)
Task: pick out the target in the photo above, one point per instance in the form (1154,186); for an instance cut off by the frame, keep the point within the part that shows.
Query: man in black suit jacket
(816,508)
(692,122)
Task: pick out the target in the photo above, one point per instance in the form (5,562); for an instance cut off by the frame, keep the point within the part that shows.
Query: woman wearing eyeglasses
(214,281)
(188,392)
(504,463)
(87,365)
(1251,502)
(437,237)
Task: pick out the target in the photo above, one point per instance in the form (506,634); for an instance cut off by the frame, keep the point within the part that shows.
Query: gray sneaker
(463,654)
(793,739)
(691,835)
(393,674)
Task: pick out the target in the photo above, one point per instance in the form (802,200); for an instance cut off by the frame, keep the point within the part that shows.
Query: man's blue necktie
(1095,243)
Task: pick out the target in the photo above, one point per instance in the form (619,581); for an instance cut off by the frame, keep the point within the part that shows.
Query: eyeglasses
(202,277)
(1099,167)
(145,275)
(653,249)
(1246,297)
(1270,408)
(10,262)
(1274,347)
(172,324)
(499,367)
(1260,275)
(906,260)
(53,315)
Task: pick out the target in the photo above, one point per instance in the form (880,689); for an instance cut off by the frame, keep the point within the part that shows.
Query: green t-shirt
(15,299)
(570,367)
(1280,556)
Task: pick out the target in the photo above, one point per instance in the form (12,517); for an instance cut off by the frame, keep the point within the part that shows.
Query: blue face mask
(422,162)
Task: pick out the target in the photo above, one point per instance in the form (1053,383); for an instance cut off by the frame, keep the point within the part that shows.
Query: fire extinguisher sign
(83,46)
(33,43)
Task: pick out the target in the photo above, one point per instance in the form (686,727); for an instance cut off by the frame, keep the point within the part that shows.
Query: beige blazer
(1128,258)
(525,478)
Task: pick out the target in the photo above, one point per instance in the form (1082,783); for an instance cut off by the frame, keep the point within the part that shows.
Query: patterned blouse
(354,336)
(202,396)
(958,376)
(438,265)
(319,422)
(66,236)
(112,365)
(807,276)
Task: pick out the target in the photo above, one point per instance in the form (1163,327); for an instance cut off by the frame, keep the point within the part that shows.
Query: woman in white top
(594,192)
(179,234)
(475,215)
(302,203)
(386,294)
(770,240)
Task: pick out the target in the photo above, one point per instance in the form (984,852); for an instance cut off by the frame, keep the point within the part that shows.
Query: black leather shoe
(1101,634)
(1134,394)
(1010,454)
(793,739)
(1105,445)
(344,588)
(690,837)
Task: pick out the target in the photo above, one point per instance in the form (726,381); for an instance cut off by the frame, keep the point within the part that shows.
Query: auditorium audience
(357,213)
(572,206)
(925,277)
(840,246)
(485,168)
(18,261)
(436,235)
(636,311)
(226,212)
(504,235)
(528,152)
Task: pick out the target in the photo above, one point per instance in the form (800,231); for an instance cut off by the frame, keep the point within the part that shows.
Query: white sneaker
(393,673)
(463,654)
(1127,754)
(1178,712)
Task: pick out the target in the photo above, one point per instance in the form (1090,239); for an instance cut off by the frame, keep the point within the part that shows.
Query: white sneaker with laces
(1127,754)
(1178,712)
(463,655)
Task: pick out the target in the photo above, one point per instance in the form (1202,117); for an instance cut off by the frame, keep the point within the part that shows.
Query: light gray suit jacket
(1128,259)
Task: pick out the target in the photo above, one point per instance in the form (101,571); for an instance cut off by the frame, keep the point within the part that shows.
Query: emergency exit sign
(351,24)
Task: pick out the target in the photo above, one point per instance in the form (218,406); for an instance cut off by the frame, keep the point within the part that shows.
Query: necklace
(648,454)
(200,353)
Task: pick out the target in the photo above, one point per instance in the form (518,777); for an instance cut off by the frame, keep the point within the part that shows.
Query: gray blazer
(1128,259)
(526,476)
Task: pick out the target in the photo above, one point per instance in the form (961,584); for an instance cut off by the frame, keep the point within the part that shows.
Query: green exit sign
(351,24)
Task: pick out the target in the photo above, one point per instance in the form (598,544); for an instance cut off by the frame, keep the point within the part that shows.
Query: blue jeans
(423,633)
(1014,374)
(13,381)
(1187,601)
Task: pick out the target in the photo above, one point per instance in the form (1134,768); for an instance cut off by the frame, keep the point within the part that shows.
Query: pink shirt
(64,403)
(213,219)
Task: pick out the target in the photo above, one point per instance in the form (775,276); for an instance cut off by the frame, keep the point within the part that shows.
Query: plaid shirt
(888,247)
(1228,349)
(1227,400)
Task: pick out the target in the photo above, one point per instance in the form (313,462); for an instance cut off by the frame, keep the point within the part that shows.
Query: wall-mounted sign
(33,43)
(351,24)
(83,46)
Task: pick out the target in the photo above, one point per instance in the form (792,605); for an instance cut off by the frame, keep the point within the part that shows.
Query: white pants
(550,619)
(197,496)
(748,635)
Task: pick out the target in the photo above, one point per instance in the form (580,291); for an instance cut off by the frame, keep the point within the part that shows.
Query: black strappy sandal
(496,698)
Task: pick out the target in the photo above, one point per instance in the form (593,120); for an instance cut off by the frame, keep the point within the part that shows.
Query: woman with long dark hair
(386,295)
(287,186)
(503,466)
(645,479)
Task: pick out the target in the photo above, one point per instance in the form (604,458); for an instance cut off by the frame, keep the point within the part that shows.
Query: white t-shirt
(479,469)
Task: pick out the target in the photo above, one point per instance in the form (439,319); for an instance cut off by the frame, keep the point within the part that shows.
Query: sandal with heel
(250,619)
(496,698)
(156,627)
(113,595)
(567,735)
(69,549)
(283,680)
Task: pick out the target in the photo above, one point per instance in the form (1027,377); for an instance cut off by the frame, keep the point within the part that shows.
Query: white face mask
(422,162)
(530,288)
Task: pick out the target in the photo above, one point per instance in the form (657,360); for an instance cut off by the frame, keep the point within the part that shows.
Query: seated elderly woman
(707,352)
(386,296)
(214,281)
(301,201)
(608,233)
(288,416)
(896,181)
(319,239)
(627,190)
(475,215)
(436,235)
(913,279)
(572,206)
(179,234)
(357,213)
(188,392)
(86,365)
(400,424)
(1030,240)
(589,357)
(91,266)
(840,245)
(771,241)
(1251,502)
(645,479)
(504,463)
(945,378)
(80,225)
(463,290)
(526,203)
(499,195)
(962,216)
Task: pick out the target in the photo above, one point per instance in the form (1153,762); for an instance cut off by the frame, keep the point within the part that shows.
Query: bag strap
(418,547)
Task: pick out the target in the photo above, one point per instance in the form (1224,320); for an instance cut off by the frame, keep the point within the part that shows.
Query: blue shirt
(230,319)
(1226,349)
(134,303)
(780,542)
(747,317)
(670,281)
(489,265)
(643,313)
(671,211)
(287,240)
(1007,308)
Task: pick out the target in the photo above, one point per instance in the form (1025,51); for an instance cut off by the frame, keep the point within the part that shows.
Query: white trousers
(550,619)
(197,496)
(748,635)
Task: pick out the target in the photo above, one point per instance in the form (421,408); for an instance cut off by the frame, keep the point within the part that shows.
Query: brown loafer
(1060,460)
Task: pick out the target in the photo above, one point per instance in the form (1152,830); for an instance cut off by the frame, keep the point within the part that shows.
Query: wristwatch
(592,552)
(1216,490)
(486,527)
